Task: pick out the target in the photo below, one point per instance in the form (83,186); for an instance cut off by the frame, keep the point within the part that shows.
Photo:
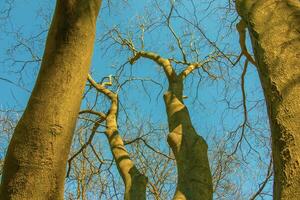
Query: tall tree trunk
(190,149)
(36,159)
(135,182)
(274,28)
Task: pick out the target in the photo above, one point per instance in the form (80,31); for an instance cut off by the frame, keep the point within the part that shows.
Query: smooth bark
(134,181)
(189,148)
(36,159)
(274,28)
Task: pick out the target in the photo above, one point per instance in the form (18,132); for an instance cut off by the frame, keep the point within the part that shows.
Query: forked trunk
(36,158)
(274,27)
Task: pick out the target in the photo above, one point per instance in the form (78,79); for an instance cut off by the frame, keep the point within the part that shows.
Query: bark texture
(134,181)
(36,159)
(274,27)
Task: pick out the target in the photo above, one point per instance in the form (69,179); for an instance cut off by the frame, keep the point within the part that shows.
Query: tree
(274,30)
(39,148)
(190,149)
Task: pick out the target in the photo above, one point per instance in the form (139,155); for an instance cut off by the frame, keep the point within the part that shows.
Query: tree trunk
(274,28)
(36,159)
(190,149)
(134,181)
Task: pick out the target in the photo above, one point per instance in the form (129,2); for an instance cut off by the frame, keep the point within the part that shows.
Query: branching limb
(168,21)
(196,25)
(149,146)
(193,66)
(101,88)
(13,83)
(265,181)
(99,114)
(83,147)
(245,110)
(241,28)
(163,62)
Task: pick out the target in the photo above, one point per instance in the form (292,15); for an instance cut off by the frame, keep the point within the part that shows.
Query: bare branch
(83,147)
(163,62)
(264,183)
(101,88)
(241,28)
(245,111)
(149,146)
(168,21)
(193,66)
(99,114)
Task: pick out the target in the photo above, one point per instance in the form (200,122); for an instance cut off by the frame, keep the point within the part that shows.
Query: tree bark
(190,149)
(36,158)
(274,28)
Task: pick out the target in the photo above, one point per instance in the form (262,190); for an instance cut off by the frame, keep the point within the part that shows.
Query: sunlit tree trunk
(190,149)
(36,159)
(274,28)
(134,181)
